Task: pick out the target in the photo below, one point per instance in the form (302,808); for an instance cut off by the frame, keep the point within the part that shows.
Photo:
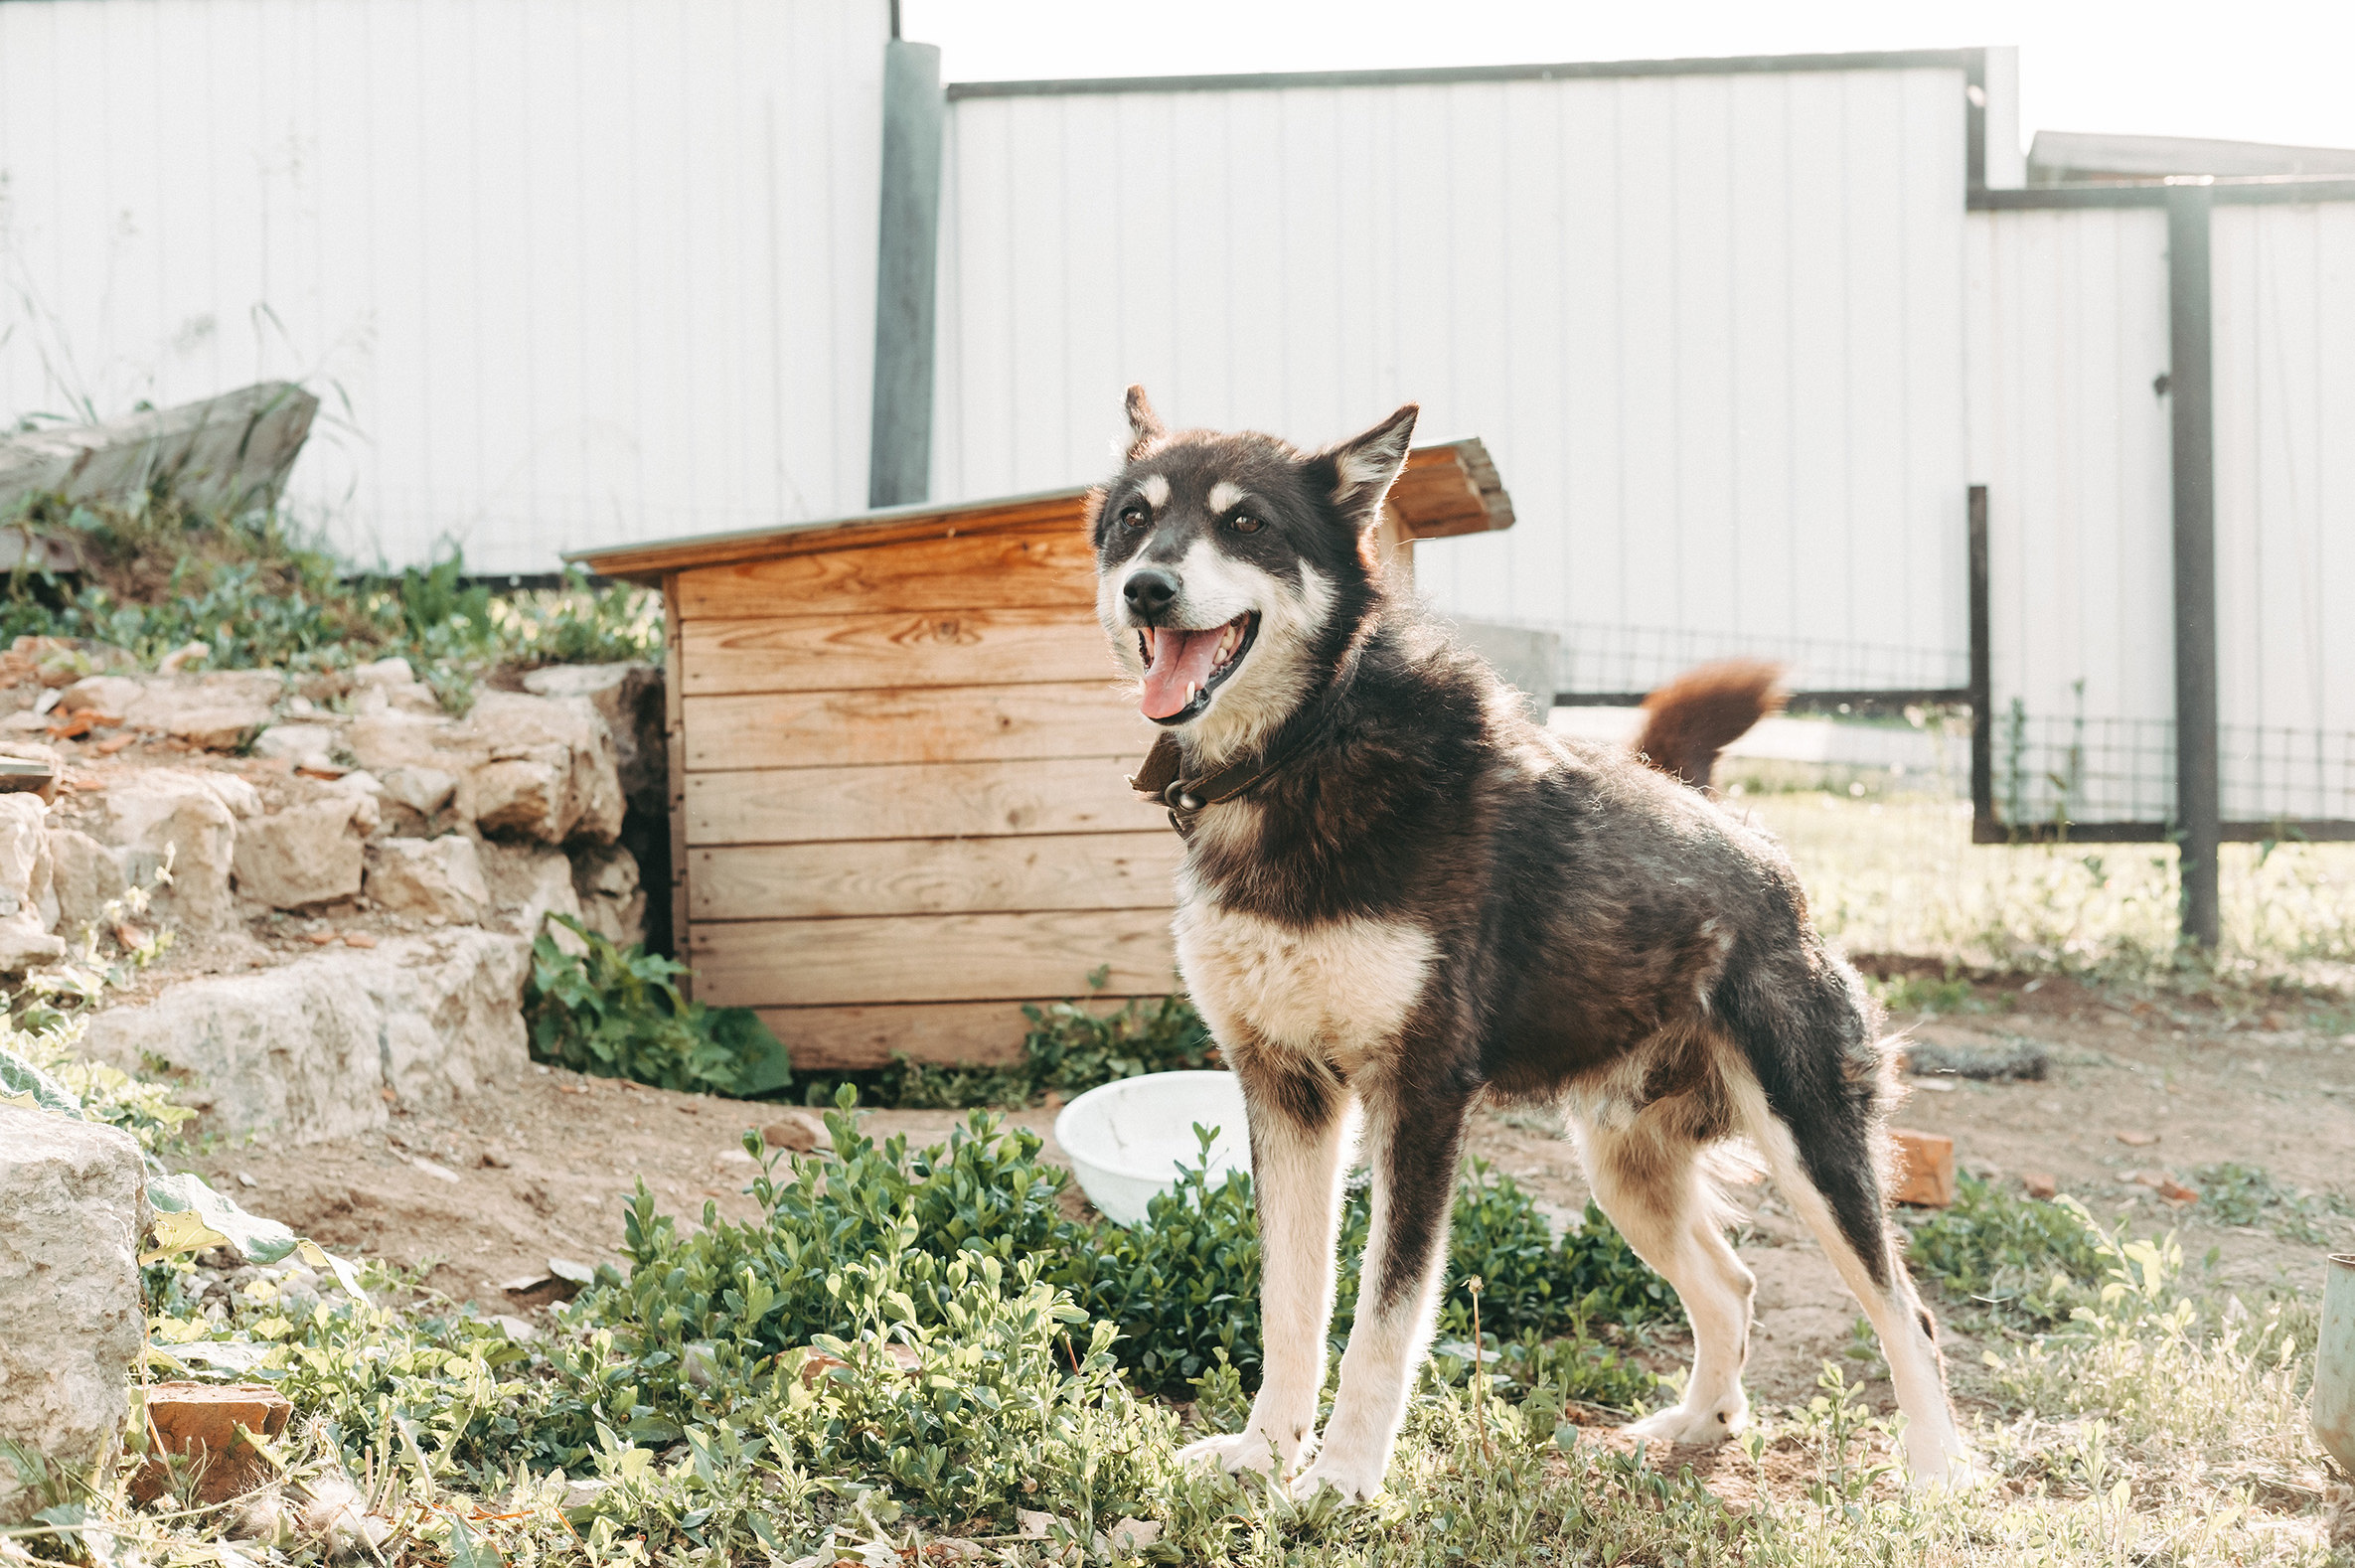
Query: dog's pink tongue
(1178,658)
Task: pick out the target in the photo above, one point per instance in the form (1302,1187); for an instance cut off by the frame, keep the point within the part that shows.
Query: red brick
(1925,1168)
(201,1420)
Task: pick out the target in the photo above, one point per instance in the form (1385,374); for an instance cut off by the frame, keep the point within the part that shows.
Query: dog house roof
(1446,490)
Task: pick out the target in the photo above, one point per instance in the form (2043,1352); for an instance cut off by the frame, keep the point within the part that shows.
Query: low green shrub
(1180,1290)
(2025,1257)
(618,1013)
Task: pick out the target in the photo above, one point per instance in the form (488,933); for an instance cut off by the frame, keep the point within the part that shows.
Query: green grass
(1899,874)
(973,1378)
(261,592)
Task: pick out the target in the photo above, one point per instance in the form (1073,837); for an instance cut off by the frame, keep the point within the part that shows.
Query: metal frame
(2198,826)
(1973,63)
(907,258)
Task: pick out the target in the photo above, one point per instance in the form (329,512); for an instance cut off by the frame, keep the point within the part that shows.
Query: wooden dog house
(900,805)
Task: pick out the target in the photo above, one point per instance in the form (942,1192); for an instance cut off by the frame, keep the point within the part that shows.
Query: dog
(1400,897)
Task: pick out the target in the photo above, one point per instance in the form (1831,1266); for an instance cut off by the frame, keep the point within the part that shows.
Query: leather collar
(1159,777)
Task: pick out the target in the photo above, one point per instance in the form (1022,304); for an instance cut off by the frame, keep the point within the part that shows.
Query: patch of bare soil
(539,1166)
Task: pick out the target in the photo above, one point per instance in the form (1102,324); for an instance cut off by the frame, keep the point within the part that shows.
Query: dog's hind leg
(1820,1128)
(1412,1140)
(1299,1130)
(1648,1177)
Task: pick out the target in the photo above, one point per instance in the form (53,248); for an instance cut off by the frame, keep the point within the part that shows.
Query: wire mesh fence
(1603,658)
(2080,769)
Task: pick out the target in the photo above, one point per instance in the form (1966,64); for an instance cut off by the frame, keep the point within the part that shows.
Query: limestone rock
(218,712)
(304,854)
(629,699)
(429,876)
(110,694)
(304,745)
(86,876)
(389,685)
(565,735)
(612,901)
(28,901)
(241,798)
(526,794)
(73,1199)
(304,1051)
(161,810)
(529,883)
(522,766)
(424,790)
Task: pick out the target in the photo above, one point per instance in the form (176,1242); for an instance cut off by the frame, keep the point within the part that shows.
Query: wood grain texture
(934,800)
(966,1033)
(1058,509)
(1002,724)
(1038,568)
(797,882)
(831,652)
(930,958)
(674,780)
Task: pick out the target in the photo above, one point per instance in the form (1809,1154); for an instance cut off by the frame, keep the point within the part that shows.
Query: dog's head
(1235,572)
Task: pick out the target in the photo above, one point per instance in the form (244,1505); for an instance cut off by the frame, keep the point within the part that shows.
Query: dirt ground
(535,1168)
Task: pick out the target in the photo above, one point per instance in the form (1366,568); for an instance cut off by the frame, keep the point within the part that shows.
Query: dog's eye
(1134,515)
(1245,522)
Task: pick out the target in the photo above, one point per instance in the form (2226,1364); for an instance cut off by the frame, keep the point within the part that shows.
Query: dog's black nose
(1149,591)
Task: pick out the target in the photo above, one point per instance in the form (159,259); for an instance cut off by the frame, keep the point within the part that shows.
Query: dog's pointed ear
(1146,429)
(1362,469)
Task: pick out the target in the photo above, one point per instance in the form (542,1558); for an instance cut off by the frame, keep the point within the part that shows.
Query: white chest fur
(1340,990)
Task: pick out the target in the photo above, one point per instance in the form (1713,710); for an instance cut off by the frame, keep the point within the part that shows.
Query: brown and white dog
(1401,897)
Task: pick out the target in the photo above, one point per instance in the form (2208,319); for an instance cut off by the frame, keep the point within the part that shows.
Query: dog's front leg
(1411,1139)
(1298,1129)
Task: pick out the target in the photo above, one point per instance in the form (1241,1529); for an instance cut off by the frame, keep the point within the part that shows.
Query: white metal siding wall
(1710,327)
(2283,301)
(2072,439)
(586,270)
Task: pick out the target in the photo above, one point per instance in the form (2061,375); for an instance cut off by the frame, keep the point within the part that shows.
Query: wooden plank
(675,786)
(931,958)
(900,524)
(927,724)
(967,1033)
(1035,567)
(923,800)
(1449,490)
(831,652)
(798,881)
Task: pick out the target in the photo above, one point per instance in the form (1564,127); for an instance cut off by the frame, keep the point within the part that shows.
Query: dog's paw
(1693,1425)
(1946,1472)
(1355,1481)
(1245,1450)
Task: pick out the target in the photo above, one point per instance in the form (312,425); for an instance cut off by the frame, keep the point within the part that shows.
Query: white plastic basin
(1126,1140)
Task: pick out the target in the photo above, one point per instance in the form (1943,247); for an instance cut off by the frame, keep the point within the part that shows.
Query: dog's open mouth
(1183,667)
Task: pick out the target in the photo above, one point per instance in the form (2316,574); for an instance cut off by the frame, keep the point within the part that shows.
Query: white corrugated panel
(2070,433)
(2283,293)
(1710,327)
(566,272)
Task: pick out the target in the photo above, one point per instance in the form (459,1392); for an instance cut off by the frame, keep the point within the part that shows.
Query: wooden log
(798,882)
(1926,1168)
(972,1033)
(910,724)
(918,800)
(831,652)
(1056,566)
(931,958)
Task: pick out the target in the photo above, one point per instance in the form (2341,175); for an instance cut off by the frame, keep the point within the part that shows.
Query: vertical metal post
(899,448)
(2190,390)
(1984,827)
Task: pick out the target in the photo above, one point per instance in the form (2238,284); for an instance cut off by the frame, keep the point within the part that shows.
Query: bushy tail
(1705,710)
